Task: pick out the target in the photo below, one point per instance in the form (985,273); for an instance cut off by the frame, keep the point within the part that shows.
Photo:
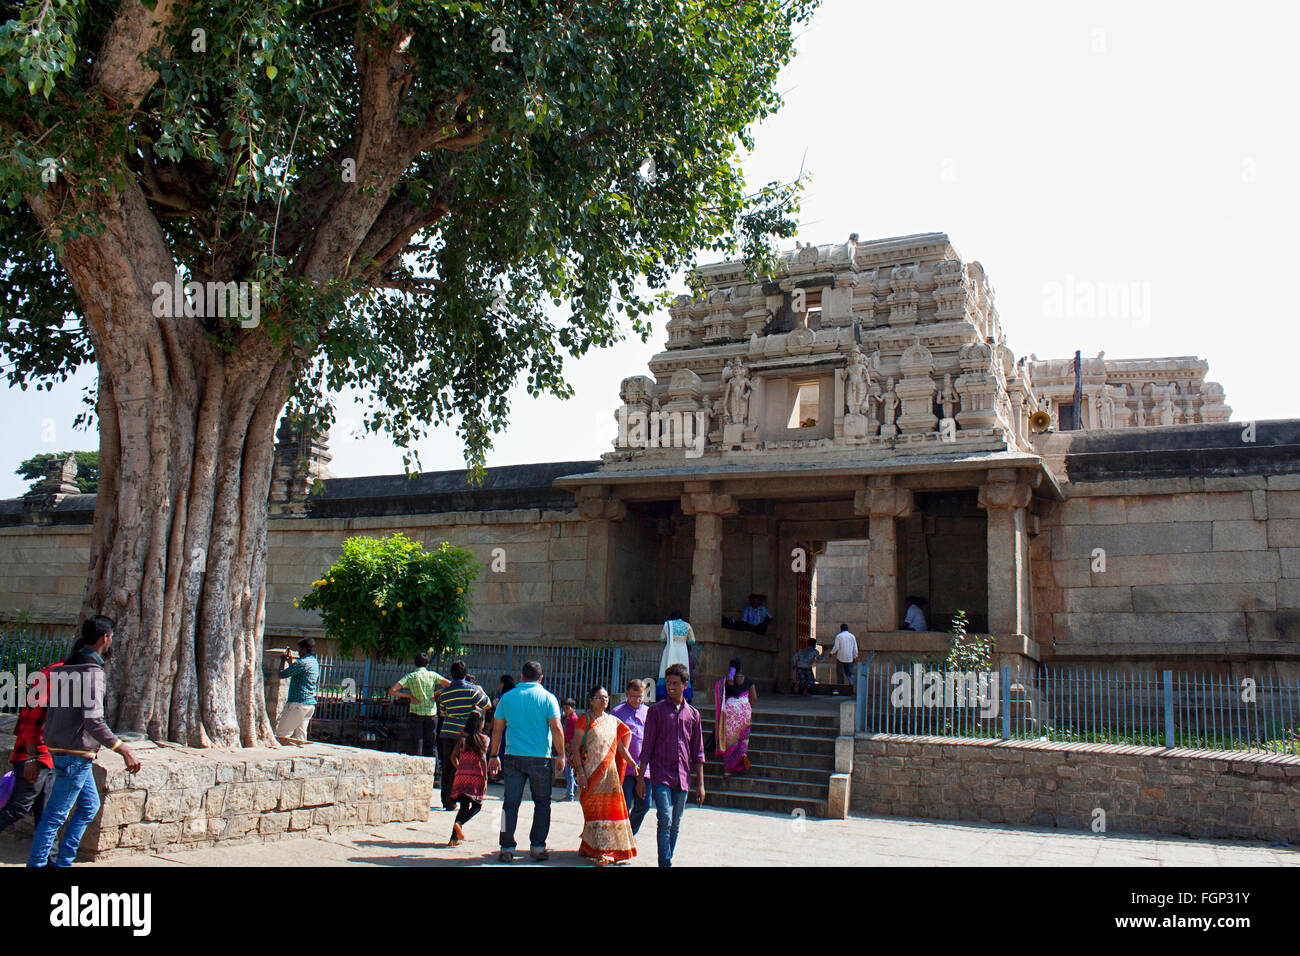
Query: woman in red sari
(599,753)
(734,697)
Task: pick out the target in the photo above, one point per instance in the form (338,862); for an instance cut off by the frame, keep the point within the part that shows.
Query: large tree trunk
(178,552)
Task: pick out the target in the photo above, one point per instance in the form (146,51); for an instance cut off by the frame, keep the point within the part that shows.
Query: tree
(390,599)
(233,205)
(33,469)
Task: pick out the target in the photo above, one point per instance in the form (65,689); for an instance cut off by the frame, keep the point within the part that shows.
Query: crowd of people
(615,761)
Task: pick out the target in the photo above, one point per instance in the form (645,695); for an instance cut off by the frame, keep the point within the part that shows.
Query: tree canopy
(433,197)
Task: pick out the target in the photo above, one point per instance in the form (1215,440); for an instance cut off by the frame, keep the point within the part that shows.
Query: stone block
(266,795)
(1204,597)
(1205,568)
(1171,537)
(291,795)
(273,823)
(1290,562)
(1283,503)
(1096,600)
(1161,508)
(299,819)
(1284,533)
(163,806)
(318,791)
(122,807)
(1239,536)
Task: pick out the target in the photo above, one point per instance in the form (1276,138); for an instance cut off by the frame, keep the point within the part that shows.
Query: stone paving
(715,837)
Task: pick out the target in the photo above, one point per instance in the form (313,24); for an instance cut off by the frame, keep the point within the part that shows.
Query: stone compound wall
(43,570)
(184,798)
(1141,789)
(1194,567)
(538,597)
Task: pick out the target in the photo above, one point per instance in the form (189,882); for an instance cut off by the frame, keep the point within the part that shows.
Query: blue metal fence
(1150,708)
(350,688)
(25,649)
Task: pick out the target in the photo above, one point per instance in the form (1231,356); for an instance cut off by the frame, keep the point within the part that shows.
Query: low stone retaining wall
(185,798)
(1141,789)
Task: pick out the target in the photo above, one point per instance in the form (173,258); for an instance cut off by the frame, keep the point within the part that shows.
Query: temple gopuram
(836,438)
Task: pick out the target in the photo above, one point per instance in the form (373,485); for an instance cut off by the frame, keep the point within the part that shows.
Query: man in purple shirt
(632,712)
(672,746)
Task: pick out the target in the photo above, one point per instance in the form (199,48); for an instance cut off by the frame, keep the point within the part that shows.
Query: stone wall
(1182,569)
(1141,789)
(185,798)
(43,570)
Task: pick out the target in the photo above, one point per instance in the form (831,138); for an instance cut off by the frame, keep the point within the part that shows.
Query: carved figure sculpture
(857,383)
(948,397)
(891,404)
(737,391)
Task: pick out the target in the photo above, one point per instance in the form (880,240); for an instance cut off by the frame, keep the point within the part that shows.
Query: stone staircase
(791,753)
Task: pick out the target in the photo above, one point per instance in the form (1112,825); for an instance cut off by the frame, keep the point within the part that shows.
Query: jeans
(570,782)
(424,735)
(670,804)
(540,773)
(74,793)
(446,770)
(27,797)
(637,807)
(846,672)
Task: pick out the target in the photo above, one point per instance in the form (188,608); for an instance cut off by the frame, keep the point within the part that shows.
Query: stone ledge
(1224,756)
(185,797)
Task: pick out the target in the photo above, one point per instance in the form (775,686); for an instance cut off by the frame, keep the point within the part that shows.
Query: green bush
(389,599)
(968,652)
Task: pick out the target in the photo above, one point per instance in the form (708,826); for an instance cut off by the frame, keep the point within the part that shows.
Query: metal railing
(25,649)
(350,688)
(1146,708)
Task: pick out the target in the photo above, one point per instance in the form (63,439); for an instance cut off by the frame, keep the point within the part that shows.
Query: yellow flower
(460,590)
(460,619)
(331,580)
(384,613)
(399,603)
(295,603)
(376,604)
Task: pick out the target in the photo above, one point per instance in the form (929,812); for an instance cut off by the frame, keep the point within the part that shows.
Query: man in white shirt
(914,620)
(845,651)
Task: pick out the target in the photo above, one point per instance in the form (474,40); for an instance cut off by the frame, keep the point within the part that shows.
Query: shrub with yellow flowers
(389,598)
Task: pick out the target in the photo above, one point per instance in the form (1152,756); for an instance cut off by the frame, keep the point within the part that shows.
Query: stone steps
(764,803)
(792,755)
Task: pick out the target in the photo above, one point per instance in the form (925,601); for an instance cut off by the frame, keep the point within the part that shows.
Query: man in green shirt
(418,687)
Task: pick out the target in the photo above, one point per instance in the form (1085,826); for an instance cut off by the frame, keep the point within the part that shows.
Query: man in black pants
(456,702)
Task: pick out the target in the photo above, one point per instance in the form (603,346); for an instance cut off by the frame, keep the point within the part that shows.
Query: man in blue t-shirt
(536,754)
(303,673)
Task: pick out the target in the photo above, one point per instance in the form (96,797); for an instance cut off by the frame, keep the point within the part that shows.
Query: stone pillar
(883,502)
(59,482)
(1006,500)
(600,510)
(301,459)
(709,507)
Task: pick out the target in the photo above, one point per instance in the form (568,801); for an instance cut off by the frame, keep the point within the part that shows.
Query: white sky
(1152,146)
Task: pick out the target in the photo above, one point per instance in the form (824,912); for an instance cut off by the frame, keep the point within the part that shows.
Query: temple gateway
(837,437)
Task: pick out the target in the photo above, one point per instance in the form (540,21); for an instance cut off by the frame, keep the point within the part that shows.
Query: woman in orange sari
(599,753)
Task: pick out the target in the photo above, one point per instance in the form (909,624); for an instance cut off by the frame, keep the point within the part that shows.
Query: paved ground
(714,837)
